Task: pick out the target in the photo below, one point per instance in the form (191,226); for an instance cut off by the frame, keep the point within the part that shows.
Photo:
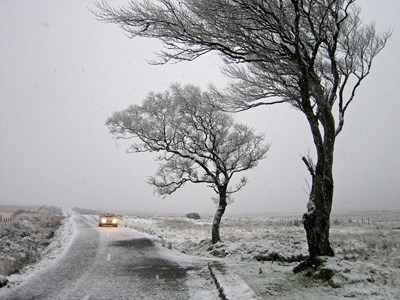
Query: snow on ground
(57,245)
(257,255)
(197,278)
(264,251)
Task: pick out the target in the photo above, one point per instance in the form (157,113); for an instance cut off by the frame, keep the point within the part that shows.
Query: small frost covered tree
(198,142)
(311,54)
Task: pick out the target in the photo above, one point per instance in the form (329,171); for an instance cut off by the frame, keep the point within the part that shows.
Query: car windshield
(108,215)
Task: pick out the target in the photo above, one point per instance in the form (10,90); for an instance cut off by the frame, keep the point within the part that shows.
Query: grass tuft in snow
(23,240)
(264,251)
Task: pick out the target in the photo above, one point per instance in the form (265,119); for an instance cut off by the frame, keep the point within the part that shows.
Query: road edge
(229,285)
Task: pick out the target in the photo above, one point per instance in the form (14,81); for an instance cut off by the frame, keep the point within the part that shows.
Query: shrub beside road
(25,236)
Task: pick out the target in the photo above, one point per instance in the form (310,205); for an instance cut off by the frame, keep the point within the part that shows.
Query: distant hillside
(52,210)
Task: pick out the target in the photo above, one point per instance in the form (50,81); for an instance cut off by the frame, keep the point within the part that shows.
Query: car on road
(108,219)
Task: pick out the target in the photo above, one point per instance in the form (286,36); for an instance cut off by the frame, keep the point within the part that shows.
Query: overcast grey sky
(62,73)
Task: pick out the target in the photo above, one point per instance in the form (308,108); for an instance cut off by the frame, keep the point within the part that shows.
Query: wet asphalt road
(114,263)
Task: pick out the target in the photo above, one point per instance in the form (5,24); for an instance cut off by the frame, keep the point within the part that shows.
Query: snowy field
(25,235)
(263,252)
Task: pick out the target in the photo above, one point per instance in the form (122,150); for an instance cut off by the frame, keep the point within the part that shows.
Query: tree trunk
(317,218)
(215,236)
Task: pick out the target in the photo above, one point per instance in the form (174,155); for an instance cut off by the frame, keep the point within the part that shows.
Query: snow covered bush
(23,240)
(193,215)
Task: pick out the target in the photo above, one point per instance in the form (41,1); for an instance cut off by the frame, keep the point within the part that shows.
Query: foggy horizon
(63,73)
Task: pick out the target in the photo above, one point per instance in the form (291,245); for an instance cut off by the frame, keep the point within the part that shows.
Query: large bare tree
(199,143)
(312,54)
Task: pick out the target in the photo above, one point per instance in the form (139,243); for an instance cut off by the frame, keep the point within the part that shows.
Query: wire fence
(334,221)
(8,216)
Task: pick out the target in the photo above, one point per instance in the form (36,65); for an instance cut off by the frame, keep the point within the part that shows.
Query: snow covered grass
(263,252)
(23,240)
(361,241)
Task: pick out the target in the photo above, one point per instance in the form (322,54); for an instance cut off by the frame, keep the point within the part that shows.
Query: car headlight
(115,221)
(104,220)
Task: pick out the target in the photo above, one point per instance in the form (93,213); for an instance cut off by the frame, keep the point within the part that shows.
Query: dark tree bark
(323,128)
(215,236)
(317,218)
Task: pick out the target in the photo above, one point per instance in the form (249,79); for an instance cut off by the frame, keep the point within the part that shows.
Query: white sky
(62,73)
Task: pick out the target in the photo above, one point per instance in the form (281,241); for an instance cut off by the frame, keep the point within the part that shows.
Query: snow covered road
(116,263)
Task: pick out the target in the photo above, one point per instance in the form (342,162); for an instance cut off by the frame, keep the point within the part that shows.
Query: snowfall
(258,254)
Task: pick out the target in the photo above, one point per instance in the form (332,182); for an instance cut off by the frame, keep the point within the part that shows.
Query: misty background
(62,73)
